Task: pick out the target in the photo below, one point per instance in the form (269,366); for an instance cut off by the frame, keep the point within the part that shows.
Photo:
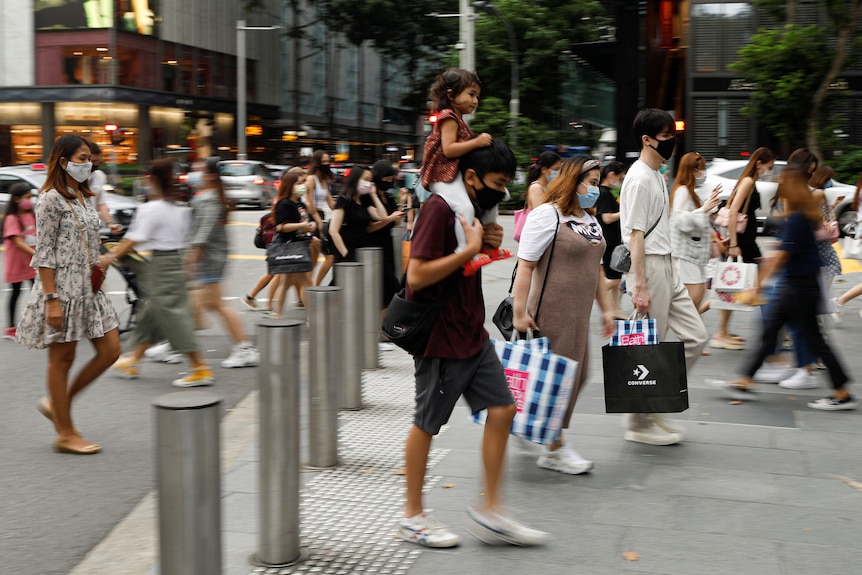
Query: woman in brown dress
(559,275)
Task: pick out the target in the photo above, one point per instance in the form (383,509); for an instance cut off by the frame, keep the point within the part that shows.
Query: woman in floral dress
(63,308)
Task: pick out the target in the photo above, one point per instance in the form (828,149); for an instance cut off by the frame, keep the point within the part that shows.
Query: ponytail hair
(545,160)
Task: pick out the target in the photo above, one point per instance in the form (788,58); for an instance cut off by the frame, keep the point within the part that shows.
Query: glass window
(236,169)
(717,32)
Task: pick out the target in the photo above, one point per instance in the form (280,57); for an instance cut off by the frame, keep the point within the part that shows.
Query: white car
(727,172)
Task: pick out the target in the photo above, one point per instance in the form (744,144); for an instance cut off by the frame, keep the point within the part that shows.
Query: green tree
(787,67)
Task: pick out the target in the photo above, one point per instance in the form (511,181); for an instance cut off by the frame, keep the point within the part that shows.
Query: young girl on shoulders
(455,94)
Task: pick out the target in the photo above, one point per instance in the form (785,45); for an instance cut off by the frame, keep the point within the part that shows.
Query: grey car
(248,182)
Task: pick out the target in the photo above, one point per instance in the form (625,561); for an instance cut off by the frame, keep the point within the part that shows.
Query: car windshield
(236,169)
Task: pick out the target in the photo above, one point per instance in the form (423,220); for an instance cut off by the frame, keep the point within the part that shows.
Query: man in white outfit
(653,280)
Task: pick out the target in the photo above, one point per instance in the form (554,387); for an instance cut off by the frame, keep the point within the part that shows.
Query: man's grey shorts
(440,382)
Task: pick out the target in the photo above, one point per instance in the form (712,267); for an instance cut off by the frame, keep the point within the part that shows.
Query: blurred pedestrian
(608,212)
(856,290)
(293,224)
(319,202)
(559,236)
(206,259)
(97,181)
(164,226)
(543,172)
(653,279)
(67,303)
(799,295)
(383,176)
(19,242)
(745,199)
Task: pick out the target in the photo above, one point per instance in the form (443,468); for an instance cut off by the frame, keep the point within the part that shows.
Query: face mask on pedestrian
(364,187)
(828,185)
(589,199)
(664,147)
(299,190)
(550,177)
(663,169)
(79,172)
(487,198)
(26,205)
(700,180)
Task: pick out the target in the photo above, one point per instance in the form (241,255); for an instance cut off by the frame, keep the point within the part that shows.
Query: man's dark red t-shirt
(459,332)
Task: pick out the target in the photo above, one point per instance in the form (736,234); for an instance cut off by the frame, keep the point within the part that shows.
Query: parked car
(727,172)
(248,182)
(122,209)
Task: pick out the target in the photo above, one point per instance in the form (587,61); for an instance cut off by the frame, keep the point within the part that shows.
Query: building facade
(165,73)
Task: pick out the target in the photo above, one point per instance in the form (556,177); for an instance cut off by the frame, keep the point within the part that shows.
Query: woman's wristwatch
(50,296)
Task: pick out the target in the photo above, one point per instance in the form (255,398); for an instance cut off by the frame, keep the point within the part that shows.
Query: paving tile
(722,457)
(242,478)
(803,559)
(836,422)
(240,513)
(686,552)
(819,492)
(775,522)
(832,464)
(633,508)
(712,483)
(819,441)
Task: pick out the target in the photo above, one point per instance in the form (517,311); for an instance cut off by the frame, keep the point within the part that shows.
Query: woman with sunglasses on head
(67,304)
(558,277)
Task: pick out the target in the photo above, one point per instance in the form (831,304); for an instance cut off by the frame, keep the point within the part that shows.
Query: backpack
(265,232)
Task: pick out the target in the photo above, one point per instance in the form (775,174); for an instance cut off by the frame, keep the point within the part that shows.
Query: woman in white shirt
(691,231)
(164,226)
(559,275)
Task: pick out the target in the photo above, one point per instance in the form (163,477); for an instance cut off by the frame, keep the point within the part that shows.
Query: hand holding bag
(541,383)
(828,231)
(734,276)
(289,258)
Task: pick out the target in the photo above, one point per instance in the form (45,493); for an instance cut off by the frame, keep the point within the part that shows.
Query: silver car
(248,182)
(727,172)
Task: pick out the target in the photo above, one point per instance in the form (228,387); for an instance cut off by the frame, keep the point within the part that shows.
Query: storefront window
(20,134)
(86,65)
(88,120)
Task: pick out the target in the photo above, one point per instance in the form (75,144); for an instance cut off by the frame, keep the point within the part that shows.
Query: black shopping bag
(645,378)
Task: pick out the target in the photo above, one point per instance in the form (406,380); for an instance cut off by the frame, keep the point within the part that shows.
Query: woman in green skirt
(164,227)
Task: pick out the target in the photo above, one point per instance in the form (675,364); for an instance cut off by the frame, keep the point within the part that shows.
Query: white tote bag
(852,248)
(734,276)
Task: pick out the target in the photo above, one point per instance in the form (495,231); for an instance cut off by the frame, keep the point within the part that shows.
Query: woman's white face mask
(79,172)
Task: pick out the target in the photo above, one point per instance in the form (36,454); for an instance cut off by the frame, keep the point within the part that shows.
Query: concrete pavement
(765,488)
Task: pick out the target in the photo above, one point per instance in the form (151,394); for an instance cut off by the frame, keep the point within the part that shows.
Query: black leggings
(13,300)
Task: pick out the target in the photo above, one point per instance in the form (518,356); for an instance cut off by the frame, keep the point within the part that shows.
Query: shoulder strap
(548,268)
(652,227)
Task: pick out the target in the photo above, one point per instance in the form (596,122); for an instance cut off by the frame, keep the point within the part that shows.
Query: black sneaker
(833,404)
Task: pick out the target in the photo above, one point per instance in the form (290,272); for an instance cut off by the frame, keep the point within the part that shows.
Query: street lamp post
(241,104)
(514,100)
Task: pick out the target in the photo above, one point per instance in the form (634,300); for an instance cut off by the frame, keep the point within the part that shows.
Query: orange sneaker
(198,376)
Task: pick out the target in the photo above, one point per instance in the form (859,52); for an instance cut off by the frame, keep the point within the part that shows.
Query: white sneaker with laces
(665,424)
(242,356)
(773,372)
(424,529)
(801,379)
(565,460)
(494,528)
(653,435)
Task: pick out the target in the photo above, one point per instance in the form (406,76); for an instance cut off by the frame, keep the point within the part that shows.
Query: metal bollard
(350,343)
(397,235)
(278,385)
(324,312)
(372,303)
(188,477)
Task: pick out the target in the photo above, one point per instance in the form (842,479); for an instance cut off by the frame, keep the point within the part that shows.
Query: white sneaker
(660,420)
(159,352)
(242,356)
(837,309)
(385,346)
(773,372)
(802,379)
(494,528)
(735,392)
(653,435)
(565,460)
(424,529)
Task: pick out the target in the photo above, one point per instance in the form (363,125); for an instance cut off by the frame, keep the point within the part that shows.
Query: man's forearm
(638,255)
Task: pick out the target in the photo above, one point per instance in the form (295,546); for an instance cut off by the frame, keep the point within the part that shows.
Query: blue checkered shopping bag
(541,383)
(635,332)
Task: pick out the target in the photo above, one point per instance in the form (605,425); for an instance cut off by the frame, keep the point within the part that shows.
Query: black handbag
(289,258)
(645,378)
(505,314)
(408,324)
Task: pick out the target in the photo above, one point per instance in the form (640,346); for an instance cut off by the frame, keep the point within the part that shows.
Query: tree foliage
(786,67)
